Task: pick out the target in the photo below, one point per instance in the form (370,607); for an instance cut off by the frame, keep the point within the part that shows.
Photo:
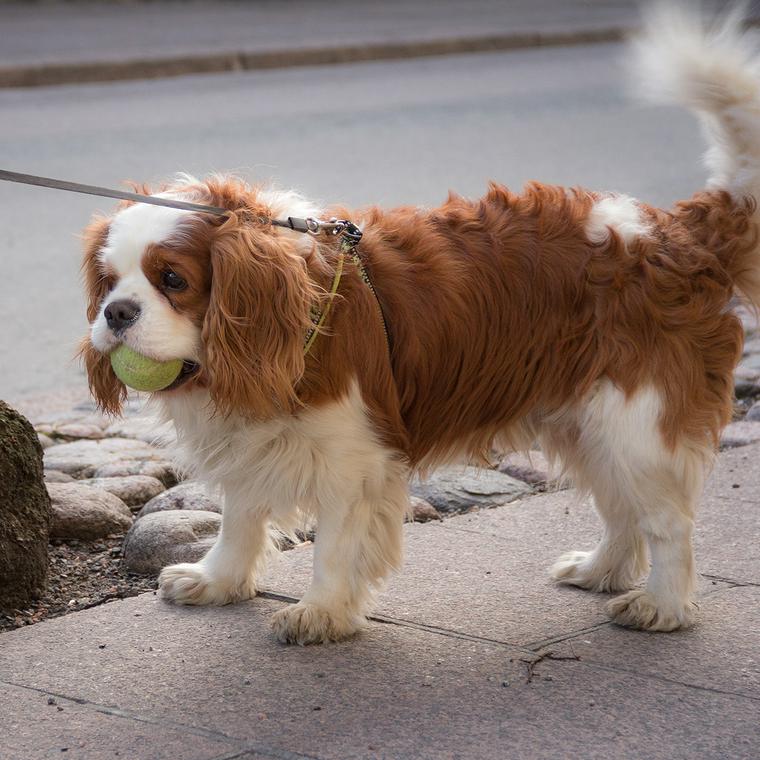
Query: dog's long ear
(106,388)
(258,315)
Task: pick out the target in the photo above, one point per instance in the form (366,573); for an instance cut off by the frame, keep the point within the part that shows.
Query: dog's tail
(712,66)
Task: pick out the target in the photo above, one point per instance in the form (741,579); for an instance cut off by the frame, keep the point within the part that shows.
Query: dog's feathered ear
(106,388)
(256,322)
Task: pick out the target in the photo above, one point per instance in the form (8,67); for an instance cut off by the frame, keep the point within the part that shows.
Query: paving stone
(459,489)
(188,495)
(728,522)
(133,490)
(86,513)
(491,563)
(82,458)
(721,652)
(163,538)
(392,692)
(37,725)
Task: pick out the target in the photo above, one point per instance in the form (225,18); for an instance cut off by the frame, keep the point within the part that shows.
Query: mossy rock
(24,512)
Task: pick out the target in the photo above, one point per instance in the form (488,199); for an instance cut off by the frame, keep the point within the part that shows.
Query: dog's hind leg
(358,543)
(643,491)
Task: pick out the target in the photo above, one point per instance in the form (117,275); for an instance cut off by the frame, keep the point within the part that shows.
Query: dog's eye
(172,281)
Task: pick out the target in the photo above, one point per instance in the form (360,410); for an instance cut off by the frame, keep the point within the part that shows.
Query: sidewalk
(47,44)
(474,653)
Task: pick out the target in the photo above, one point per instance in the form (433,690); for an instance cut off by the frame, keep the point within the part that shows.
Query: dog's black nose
(121,314)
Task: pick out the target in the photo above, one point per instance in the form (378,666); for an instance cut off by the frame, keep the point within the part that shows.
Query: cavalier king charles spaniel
(593,323)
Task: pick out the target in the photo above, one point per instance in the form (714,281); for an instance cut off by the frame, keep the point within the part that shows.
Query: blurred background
(363,103)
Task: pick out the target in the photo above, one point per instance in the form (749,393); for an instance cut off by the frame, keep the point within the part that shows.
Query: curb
(81,73)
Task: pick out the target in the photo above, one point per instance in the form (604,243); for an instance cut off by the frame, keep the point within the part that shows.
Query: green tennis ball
(141,372)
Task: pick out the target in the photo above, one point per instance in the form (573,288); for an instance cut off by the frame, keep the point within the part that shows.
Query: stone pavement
(473,653)
(84,41)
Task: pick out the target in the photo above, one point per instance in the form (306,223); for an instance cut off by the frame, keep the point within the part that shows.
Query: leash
(347,231)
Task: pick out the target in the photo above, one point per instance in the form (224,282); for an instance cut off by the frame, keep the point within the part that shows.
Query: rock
(133,490)
(188,495)
(82,458)
(162,470)
(24,512)
(532,468)
(163,538)
(45,441)
(746,382)
(423,511)
(147,429)
(54,476)
(740,434)
(753,415)
(459,489)
(78,430)
(86,513)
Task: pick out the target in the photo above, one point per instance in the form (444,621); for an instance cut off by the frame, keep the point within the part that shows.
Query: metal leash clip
(350,233)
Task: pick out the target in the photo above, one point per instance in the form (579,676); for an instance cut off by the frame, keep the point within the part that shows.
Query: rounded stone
(753,415)
(162,470)
(24,512)
(54,476)
(459,489)
(133,490)
(187,495)
(165,538)
(423,511)
(82,458)
(86,513)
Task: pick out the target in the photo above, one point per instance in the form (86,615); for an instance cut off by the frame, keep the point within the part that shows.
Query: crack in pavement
(241,745)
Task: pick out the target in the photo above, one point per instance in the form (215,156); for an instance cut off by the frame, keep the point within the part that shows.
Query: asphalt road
(385,133)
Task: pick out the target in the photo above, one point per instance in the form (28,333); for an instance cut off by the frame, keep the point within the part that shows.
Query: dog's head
(230,296)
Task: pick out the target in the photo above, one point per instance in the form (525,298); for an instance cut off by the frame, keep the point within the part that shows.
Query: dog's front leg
(358,543)
(230,568)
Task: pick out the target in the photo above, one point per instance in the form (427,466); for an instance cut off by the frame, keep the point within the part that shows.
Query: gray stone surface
(83,458)
(728,523)
(753,415)
(145,429)
(161,469)
(187,495)
(64,728)
(459,489)
(531,468)
(740,434)
(163,538)
(722,652)
(24,512)
(84,512)
(55,476)
(133,490)
(423,511)
(396,691)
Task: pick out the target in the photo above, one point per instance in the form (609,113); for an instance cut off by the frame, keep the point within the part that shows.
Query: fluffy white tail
(711,66)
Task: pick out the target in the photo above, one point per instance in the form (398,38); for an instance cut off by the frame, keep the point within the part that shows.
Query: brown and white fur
(591,322)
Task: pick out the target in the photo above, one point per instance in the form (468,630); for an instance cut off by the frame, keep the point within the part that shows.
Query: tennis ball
(141,372)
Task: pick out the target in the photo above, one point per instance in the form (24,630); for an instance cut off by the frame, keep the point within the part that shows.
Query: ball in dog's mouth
(143,373)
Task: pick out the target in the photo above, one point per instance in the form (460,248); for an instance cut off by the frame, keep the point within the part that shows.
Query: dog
(593,323)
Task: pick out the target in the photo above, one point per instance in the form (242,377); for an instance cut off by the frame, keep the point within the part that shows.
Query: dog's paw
(579,569)
(306,623)
(640,609)
(192,583)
